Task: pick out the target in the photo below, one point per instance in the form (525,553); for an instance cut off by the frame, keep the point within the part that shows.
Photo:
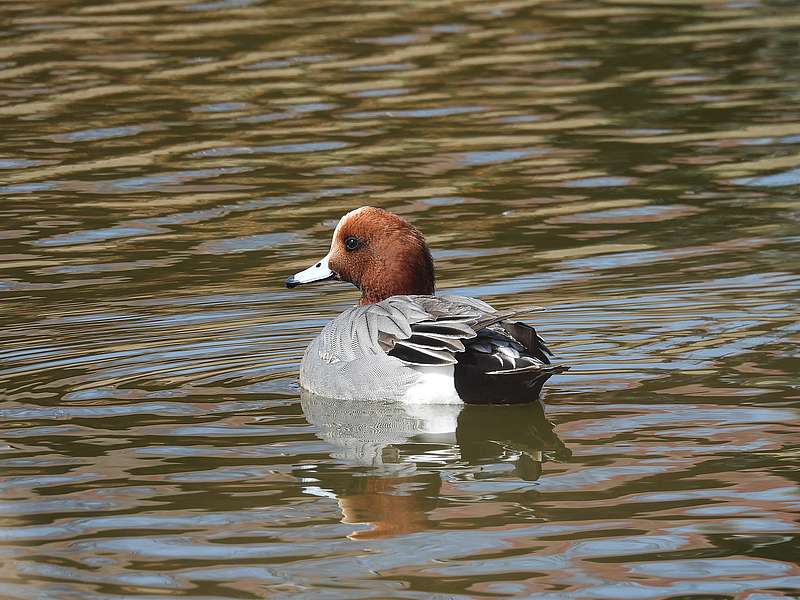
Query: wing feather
(451,329)
(434,342)
(433,330)
(419,355)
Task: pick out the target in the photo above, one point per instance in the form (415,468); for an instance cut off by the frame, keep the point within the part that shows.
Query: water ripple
(166,164)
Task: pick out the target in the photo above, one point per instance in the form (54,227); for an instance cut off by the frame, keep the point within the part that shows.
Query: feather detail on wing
(450,326)
(431,331)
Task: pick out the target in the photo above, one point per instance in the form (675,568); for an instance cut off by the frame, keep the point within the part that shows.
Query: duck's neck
(411,279)
(371,295)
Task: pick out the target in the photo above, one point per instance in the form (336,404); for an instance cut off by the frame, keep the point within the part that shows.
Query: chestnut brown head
(377,251)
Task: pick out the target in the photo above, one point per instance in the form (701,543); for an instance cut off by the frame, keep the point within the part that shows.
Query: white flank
(435,385)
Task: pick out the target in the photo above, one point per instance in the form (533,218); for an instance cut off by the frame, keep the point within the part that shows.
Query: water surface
(164,165)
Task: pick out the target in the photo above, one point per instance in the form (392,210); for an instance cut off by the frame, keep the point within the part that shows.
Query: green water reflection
(165,164)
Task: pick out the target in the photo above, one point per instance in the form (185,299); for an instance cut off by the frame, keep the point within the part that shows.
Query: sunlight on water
(164,165)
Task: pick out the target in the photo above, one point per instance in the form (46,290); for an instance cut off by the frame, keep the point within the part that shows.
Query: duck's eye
(352,242)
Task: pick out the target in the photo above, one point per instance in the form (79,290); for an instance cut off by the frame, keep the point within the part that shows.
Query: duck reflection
(397,453)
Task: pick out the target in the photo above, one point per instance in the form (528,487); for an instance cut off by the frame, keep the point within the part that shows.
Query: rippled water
(164,164)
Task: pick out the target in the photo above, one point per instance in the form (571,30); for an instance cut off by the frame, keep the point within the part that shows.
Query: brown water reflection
(165,164)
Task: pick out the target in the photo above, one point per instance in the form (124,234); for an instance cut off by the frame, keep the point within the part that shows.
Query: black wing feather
(527,336)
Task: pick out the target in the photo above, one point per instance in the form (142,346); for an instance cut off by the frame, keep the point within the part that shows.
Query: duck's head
(379,252)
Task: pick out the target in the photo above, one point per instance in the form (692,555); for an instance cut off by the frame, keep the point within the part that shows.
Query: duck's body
(412,346)
(427,349)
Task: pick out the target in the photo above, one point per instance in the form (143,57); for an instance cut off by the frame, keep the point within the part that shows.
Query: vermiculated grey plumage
(379,351)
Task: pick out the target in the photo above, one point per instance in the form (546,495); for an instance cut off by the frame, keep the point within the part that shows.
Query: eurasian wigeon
(403,343)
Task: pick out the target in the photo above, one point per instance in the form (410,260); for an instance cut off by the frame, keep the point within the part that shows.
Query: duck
(404,343)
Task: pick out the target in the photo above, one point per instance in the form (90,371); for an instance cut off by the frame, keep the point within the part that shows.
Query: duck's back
(427,349)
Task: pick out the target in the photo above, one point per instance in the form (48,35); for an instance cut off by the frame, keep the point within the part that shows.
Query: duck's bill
(317,272)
